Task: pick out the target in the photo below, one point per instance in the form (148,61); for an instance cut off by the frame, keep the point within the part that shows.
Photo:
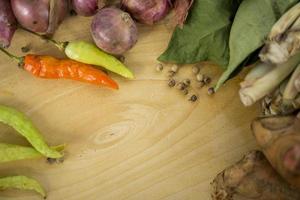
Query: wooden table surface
(143,142)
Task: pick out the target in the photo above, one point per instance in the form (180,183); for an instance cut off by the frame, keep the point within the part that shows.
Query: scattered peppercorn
(207,80)
(171,74)
(200,84)
(200,77)
(187,82)
(181,86)
(195,70)
(193,98)
(171,83)
(211,91)
(185,92)
(159,67)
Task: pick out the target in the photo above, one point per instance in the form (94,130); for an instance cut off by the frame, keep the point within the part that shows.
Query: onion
(41,16)
(7,23)
(114,31)
(87,7)
(147,11)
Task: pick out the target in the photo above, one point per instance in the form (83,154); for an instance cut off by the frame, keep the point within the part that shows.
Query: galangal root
(252,178)
(279,138)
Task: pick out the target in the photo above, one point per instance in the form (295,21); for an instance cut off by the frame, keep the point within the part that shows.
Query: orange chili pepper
(52,68)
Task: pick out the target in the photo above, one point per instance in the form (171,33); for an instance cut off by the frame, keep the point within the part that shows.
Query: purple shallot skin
(32,14)
(37,15)
(147,11)
(114,31)
(8,23)
(87,7)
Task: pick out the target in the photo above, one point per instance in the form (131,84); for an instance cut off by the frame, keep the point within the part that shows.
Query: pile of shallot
(113,28)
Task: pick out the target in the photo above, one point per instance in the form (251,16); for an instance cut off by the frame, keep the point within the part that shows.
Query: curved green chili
(25,127)
(90,54)
(11,152)
(22,183)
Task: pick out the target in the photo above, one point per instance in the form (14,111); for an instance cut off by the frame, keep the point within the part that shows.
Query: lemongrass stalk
(284,39)
(277,52)
(291,91)
(266,84)
(285,22)
(256,73)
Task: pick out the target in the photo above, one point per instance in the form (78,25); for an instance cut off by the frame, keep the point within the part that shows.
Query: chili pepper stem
(60,45)
(20,60)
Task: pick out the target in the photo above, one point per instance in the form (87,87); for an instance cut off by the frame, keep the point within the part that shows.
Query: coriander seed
(174,68)
(159,67)
(200,77)
(195,70)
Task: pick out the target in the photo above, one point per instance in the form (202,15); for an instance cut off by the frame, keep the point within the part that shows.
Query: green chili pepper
(22,183)
(25,127)
(11,152)
(89,53)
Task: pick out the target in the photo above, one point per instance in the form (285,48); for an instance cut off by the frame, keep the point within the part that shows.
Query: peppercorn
(185,92)
(171,83)
(181,86)
(211,91)
(193,98)
(207,80)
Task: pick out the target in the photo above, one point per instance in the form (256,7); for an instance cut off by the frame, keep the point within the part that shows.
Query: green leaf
(253,22)
(22,183)
(11,152)
(205,35)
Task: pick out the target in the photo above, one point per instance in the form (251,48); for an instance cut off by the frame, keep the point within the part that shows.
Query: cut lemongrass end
(291,91)
(277,52)
(266,84)
(285,22)
(258,71)
(274,53)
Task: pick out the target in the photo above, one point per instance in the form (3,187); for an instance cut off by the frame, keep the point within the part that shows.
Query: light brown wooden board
(143,142)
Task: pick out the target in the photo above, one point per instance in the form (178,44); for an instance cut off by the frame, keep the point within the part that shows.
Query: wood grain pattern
(144,142)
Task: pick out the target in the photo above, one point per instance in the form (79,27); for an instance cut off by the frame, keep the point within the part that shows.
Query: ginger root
(252,178)
(279,138)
